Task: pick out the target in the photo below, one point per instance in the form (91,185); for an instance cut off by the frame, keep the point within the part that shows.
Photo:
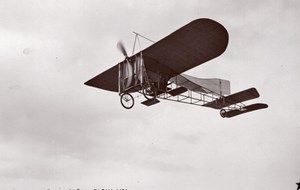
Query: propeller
(121,47)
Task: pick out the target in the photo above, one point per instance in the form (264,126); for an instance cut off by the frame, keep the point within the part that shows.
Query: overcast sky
(56,132)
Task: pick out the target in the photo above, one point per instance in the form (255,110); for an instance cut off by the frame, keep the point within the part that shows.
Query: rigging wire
(137,39)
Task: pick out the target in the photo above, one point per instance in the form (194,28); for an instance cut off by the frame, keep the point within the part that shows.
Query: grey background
(57,133)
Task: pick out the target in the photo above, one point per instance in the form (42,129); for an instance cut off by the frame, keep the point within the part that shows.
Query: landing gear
(223,113)
(127,100)
(149,92)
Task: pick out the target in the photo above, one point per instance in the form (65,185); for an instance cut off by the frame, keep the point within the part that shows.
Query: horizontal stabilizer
(150,102)
(242,96)
(245,109)
(177,91)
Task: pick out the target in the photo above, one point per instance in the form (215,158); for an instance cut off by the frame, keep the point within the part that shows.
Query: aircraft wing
(108,80)
(195,43)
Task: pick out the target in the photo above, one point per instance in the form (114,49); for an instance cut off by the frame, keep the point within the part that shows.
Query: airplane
(157,72)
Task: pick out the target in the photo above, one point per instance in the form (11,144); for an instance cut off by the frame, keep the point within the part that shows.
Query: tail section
(243,110)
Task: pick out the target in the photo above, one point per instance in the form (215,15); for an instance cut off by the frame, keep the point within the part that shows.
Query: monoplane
(157,72)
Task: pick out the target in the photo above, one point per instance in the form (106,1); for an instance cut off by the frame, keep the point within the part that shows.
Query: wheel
(148,92)
(223,113)
(127,100)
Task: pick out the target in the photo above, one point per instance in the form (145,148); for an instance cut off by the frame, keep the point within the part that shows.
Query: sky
(56,133)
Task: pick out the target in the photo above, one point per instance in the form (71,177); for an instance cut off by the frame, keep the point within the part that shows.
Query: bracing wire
(137,35)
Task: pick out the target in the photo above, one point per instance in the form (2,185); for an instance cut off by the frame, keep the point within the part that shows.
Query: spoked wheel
(223,113)
(127,100)
(149,92)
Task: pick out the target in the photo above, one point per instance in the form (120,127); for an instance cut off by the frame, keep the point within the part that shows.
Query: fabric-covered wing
(195,43)
(218,86)
(108,80)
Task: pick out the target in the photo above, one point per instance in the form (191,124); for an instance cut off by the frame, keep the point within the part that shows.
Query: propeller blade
(121,47)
